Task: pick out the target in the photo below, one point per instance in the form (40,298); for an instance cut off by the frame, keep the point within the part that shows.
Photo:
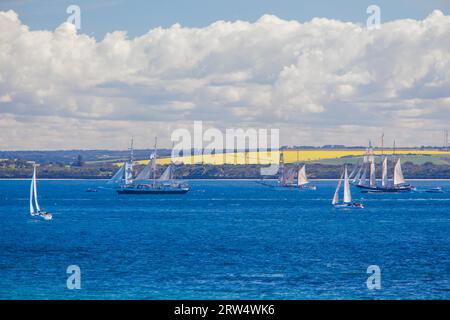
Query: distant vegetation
(104,170)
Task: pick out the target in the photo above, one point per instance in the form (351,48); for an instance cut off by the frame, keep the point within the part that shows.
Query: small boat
(435,190)
(347,202)
(35,210)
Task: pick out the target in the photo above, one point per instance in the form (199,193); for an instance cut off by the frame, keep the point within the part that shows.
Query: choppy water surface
(223,240)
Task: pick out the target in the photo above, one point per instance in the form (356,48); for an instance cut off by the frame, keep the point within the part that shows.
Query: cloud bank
(321,82)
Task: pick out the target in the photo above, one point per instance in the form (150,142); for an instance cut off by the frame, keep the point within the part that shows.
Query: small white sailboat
(35,210)
(302,179)
(347,201)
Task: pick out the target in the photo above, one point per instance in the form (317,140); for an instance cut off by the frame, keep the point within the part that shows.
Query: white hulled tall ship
(146,181)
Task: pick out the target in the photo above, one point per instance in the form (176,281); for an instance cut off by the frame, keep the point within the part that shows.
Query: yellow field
(290,156)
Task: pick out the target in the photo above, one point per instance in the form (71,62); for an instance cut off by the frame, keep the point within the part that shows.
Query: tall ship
(363,175)
(146,181)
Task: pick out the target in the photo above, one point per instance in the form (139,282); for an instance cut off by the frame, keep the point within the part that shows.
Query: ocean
(223,240)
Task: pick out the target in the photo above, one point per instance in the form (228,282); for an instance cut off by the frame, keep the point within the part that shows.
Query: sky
(145,68)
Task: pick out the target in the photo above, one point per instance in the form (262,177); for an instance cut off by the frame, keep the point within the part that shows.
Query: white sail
(167,174)
(301,176)
(384,173)
(352,174)
(32,191)
(118,176)
(373,180)
(358,174)
(347,194)
(362,179)
(35,191)
(146,173)
(336,193)
(398,174)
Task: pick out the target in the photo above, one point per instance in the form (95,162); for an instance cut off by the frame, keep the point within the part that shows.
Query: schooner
(396,184)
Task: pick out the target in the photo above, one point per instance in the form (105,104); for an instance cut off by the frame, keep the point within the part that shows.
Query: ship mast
(128,170)
(155,158)
(131,151)
(281,163)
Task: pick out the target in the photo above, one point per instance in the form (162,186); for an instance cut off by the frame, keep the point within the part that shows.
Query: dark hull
(152,191)
(367,189)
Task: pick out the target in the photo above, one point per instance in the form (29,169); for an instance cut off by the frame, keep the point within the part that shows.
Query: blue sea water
(223,240)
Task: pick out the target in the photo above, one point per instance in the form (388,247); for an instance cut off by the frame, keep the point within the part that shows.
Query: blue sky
(138,16)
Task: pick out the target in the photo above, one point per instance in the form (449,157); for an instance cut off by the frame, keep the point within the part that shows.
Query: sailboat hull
(44,215)
(307,187)
(349,206)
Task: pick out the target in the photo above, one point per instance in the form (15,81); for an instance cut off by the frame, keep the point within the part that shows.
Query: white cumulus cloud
(322,81)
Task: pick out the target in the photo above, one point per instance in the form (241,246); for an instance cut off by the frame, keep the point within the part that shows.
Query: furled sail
(128,172)
(281,165)
(336,193)
(301,176)
(373,180)
(398,174)
(347,194)
(384,173)
(167,174)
